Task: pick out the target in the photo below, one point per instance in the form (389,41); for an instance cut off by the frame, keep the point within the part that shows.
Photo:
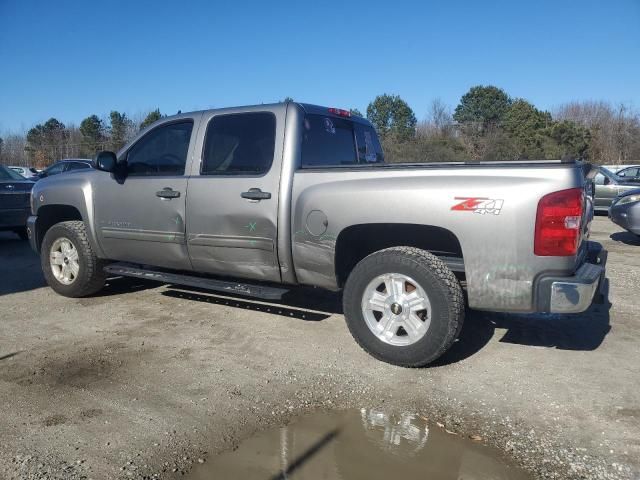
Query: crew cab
(257,200)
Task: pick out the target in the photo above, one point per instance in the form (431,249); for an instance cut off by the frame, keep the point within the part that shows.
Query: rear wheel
(404,306)
(69,264)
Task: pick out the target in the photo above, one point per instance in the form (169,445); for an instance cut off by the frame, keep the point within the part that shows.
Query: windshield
(8,174)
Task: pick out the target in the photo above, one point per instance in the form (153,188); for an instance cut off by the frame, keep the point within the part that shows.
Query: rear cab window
(329,141)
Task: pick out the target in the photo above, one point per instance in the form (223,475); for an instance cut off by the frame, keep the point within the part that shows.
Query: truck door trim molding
(231,241)
(144,235)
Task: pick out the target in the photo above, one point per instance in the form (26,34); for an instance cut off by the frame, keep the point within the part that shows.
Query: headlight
(628,199)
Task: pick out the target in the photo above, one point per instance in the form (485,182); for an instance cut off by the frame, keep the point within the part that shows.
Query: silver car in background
(625,211)
(607,187)
(618,168)
(66,165)
(630,174)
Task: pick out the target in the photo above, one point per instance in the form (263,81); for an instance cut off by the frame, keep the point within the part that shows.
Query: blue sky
(70,59)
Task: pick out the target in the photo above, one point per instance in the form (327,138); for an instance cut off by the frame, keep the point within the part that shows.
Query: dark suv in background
(15,206)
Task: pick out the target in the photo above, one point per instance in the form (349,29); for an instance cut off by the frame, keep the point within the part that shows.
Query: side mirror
(106,161)
(607,181)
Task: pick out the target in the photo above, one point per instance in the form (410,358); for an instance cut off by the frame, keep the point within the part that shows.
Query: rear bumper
(576,293)
(32,233)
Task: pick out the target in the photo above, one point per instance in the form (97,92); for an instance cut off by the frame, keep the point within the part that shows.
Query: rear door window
(239,144)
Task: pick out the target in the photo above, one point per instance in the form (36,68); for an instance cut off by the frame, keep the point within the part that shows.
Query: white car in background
(27,172)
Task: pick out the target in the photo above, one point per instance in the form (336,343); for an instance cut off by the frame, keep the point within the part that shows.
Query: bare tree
(615,129)
(13,150)
(438,122)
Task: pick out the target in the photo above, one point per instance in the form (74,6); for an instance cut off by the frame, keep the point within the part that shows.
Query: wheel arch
(49,215)
(358,241)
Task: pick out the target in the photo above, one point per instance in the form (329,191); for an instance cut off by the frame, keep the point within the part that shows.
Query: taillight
(558,223)
(340,112)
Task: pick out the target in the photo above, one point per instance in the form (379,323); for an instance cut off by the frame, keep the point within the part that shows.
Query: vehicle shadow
(20,271)
(19,266)
(10,355)
(122,285)
(627,238)
(306,304)
(579,332)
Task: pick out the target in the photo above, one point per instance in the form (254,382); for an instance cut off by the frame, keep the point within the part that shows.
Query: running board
(244,289)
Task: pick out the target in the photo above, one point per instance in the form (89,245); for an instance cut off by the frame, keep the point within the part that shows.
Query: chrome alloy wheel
(63,258)
(396,309)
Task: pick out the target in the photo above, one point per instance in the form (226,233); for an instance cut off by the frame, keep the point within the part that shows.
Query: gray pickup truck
(256,200)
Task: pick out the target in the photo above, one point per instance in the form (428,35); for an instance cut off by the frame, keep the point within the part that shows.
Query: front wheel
(69,264)
(404,306)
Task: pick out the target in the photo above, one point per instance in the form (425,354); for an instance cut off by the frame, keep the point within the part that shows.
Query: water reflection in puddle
(358,444)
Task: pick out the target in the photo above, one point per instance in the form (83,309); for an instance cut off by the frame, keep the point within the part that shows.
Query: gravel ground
(144,380)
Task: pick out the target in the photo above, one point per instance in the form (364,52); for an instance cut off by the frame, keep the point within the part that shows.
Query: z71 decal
(481,205)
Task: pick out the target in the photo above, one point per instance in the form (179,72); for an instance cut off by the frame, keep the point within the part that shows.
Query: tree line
(53,140)
(487,124)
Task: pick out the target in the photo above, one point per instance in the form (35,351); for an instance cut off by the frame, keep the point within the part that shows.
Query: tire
(410,270)
(90,275)
(22,233)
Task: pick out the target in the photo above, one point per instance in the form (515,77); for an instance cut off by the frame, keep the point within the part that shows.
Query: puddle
(358,445)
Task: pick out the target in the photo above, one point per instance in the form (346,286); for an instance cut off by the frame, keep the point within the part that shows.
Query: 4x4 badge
(481,205)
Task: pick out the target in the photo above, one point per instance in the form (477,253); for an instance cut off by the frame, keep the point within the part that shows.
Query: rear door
(232,204)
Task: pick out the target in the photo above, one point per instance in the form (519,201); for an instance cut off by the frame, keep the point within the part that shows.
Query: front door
(140,214)
(233,196)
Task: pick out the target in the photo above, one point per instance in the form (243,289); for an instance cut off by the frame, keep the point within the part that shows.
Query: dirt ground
(145,380)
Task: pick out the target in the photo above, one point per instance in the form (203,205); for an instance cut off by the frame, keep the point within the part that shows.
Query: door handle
(256,194)
(168,192)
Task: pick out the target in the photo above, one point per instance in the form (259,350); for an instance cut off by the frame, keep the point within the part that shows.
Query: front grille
(14,200)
